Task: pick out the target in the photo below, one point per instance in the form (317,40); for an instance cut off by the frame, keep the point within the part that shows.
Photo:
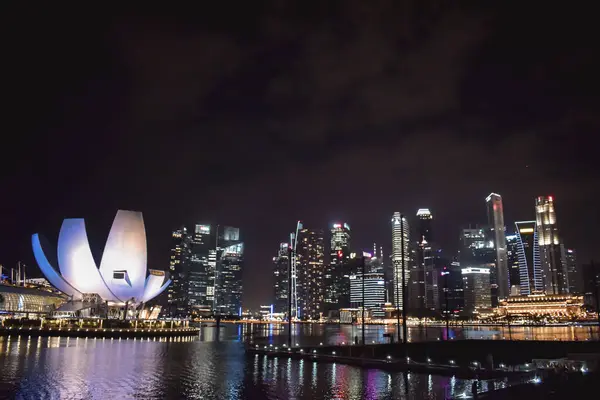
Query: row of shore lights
(113,330)
(388,357)
(321,344)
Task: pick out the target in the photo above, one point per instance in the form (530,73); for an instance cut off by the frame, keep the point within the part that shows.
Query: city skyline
(247,119)
(296,162)
(250,298)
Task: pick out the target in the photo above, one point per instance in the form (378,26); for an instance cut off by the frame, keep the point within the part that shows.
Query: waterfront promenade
(464,358)
(570,386)
(99,332)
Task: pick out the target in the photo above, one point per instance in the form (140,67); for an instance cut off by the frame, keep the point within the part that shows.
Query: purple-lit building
(122,276)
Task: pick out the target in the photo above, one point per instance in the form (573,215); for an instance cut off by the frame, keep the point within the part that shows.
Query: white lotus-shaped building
(122,274)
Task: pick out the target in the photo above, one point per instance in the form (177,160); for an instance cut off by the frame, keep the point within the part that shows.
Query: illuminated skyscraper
(423,286)
(477,251)
(207,262)
(280,279)
(476,283)
(375,295)
(553,266)
(230,262)
(495,213)
(512,257)
(573,271)
(201,272)
(400,256)
(452,298)
(178,267)
(376,264)
(310,252)
(531,279)
(337,275)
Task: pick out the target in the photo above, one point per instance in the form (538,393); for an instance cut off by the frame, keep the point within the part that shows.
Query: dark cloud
(284,111)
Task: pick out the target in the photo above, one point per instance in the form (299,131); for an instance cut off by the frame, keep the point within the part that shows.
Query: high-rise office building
(336,278)
(280,279)
(512,258)
(452,299)
(573,272)
(476,287)
(495,213)
(590,274)
(530,268)
(400,257)
(296,282)
(376,264)
(374,290)
(471,239)
(202,269)
(230,261)
(477,250)
(415,285)
(310,252)
(423,287)
(178,266)
(207,262)
(553,265)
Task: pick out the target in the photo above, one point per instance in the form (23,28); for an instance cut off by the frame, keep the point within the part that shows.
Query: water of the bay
(211,367)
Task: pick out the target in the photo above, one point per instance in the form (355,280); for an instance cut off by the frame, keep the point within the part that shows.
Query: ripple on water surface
(68,368)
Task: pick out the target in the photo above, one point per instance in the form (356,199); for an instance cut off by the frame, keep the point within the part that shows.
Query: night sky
(257,116)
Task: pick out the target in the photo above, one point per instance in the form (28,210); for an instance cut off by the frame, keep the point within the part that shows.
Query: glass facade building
(280,278)
(400,257)
(553,264)
(476,283)
(426,283)
(374,287)
(336,277)
(495,212)
(206,265)
(178,265)
(20,300)
(531,279)
(512,257)
(573,272)
(229,288)
(477,250)
(310,261)
(452,299)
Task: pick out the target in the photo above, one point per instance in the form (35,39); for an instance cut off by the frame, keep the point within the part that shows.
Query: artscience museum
(121,277)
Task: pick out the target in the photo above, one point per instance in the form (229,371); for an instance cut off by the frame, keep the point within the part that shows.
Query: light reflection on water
(313,334)
(203,368)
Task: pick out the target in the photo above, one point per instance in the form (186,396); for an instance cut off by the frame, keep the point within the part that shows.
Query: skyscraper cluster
(317,272)
(527,259)
(540,253)
(319,285)
(494,262)
(206,267)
